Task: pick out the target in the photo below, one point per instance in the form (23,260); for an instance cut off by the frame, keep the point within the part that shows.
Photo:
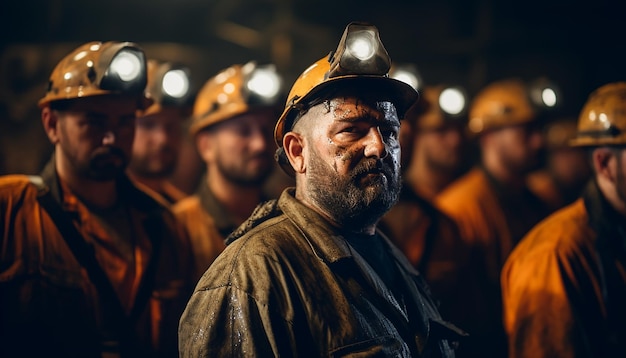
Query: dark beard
(101,168)
(242,179)
(349,205)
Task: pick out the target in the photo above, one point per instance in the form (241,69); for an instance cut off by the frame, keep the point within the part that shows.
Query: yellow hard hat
(169,85)
(602,120)
(439,105)
(234,91)
(99,68)
(360,62)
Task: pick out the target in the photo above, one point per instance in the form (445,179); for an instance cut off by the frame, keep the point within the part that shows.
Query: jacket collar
(127,191)
(225,223)
(324,238)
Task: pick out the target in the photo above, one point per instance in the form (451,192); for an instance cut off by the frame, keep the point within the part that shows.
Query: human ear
(603,163)
(204,146)
(50,121)
(293,144)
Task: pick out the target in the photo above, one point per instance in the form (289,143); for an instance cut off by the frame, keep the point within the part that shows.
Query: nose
(375,145)
(108,138)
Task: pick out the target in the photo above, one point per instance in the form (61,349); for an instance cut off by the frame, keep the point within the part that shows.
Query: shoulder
(187,205)
(16,186)
(564,234)
(465,191)
(263,251)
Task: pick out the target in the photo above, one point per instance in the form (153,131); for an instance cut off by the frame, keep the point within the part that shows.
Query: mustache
(371,167)
(105,152)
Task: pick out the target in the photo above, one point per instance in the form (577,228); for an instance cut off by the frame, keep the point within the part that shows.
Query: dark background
(579,45)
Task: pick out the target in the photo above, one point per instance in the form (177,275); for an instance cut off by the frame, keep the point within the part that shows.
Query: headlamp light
(406,73)
(453,101)
(360,52)
(175,83)
(262,83)
(126,70)
(544,93)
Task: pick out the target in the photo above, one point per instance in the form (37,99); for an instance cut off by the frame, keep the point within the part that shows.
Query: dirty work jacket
(48,304)
(564,286)
(432,242)
(491,220)
(291,286)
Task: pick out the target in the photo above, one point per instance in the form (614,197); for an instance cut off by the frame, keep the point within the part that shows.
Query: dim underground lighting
(452,101)
(548,96)
(175,83)
(264,82)
(126,65)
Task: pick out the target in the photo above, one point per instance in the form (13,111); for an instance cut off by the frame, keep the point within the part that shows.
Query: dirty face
(353,160)
(95,135)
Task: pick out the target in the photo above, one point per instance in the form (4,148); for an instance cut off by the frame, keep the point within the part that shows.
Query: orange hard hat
(99,68)
(602,120)
(234,91)
(500,104)
(360,62)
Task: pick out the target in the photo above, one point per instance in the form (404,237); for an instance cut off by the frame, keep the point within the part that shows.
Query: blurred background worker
(564,286)
(158,134)
(429,238)
(491,203)
(567,168)
(90,266)
(233,118)
(438,152)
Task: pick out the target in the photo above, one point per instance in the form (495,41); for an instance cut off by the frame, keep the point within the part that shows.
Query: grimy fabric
(289,285)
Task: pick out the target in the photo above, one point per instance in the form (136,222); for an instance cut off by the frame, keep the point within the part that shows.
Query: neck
(425,180)
(238,200)
(99,194)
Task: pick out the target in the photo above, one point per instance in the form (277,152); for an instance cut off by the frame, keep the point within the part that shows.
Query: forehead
(105,105)
(349,107)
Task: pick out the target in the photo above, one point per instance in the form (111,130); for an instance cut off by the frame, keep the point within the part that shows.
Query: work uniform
(564,286)
(289,285)
(491,220)
(50,306)
(208,224)
(432,243)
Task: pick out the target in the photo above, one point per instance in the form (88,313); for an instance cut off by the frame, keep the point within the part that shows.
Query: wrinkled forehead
(370,109)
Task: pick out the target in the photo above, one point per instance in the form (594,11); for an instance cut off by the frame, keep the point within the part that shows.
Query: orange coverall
(492,220)
(49,306)
(564,286)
